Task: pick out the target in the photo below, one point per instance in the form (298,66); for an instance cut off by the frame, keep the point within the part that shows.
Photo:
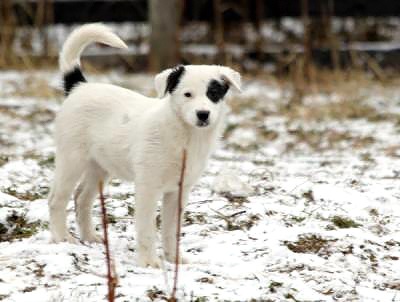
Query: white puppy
(107,131)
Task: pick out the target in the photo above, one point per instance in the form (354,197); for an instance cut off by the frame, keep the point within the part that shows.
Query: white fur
(82,37)
(107,131)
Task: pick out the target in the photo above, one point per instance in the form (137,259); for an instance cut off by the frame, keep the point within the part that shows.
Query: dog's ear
(232,77)
(168,80)
(160,82)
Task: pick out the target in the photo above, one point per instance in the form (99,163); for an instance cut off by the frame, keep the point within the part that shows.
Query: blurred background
(277,36)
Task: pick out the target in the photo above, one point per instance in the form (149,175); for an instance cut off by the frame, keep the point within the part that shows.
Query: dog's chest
(197,156)
(198,149)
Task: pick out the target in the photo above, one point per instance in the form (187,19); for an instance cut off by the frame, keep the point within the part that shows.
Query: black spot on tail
(216,90)
(174,77)
(73,78)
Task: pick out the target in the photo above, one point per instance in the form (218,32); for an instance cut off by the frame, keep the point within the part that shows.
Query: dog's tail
(74,45)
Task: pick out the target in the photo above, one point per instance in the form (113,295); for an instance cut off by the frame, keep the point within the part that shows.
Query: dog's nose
(203,115)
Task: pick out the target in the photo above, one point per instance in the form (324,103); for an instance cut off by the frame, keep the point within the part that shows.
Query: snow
(243,137)
(265,189)
(229,180)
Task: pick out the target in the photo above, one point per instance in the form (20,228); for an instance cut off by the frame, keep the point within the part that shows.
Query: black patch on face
(73,78)
(174,77)
(216,90)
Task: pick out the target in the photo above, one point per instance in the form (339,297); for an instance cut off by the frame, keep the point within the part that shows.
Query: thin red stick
(111,279)
(178,229)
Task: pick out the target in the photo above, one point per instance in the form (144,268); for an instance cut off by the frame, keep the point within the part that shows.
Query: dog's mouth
(202,124)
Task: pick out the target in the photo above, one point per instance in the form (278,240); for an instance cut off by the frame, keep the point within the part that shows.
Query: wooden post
(258,26)
(331,35)
(165,19)
(219,31)
(40,17)
(306,40)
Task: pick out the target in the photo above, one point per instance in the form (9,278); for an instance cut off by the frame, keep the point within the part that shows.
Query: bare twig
(111,273)
(178,229)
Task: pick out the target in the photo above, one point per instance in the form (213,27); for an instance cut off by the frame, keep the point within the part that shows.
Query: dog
(104,131)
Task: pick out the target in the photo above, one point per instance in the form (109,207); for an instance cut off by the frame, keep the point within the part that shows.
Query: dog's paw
(92,238)
(183,259)
(149,261)
(66,238)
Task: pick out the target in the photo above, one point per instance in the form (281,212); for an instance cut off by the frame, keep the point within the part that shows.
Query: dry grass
(328,96)
(17,227)
(329,139)
(33,87)
(36,86)
(348,89)
(344,222)
(310,244)
(344,109)
(28,62)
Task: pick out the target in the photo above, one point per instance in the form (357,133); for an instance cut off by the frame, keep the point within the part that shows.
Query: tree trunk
(306,40)
(7,31)
(165,17)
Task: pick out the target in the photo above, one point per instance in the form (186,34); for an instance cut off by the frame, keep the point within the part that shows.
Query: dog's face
(197,92)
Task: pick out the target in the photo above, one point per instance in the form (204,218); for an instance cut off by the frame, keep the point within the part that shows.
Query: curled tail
(74,45)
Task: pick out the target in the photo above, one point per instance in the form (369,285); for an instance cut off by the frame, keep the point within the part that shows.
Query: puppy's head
(197,92)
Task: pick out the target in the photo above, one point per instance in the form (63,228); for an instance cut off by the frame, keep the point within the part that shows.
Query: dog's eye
(187,94)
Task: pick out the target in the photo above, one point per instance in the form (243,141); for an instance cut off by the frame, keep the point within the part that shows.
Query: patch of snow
(229,180)
(243,138)
(239,248)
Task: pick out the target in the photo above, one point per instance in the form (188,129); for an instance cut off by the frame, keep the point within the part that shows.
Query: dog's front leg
(146,230)
(169,223)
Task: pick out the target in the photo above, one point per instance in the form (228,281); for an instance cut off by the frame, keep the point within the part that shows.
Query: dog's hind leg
(65,179)
(84,197)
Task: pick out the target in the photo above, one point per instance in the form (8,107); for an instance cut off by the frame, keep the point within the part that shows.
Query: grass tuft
(17,227)
(42,192)
(273,285)
(344,222)
(308,244)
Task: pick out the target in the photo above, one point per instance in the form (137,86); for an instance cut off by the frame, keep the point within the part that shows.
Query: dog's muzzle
(203,118)
(202,124)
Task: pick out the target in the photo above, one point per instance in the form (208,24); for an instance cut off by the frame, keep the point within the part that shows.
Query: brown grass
(32,86)
(309,244)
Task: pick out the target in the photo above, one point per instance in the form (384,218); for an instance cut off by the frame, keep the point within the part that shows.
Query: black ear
(174,77)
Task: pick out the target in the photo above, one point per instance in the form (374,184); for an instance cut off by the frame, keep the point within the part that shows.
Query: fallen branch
(111,273)
(178,229)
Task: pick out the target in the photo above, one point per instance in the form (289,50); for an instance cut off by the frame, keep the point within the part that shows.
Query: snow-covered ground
(299,204)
